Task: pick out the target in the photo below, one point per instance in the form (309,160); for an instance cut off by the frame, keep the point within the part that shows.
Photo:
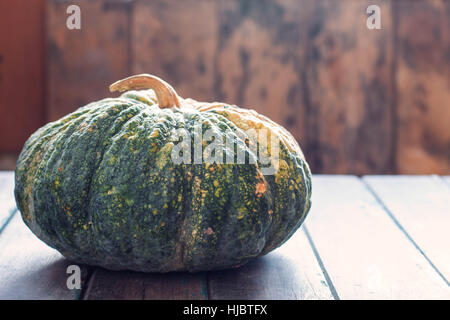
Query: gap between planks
(365,254)
(420,207)
(291,272)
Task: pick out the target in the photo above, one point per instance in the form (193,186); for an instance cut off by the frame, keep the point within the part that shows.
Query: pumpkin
(102,185)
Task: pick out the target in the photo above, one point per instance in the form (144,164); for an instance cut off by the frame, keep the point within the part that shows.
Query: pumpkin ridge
(111,139)
(109,132)
(40,139)
(69,132)
(102,154)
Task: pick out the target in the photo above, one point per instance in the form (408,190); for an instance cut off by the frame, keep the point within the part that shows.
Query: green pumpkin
(101,185)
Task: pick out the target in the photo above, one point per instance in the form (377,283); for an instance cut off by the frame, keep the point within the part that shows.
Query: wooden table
(375,237)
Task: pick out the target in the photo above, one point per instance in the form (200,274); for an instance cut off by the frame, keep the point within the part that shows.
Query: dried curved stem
(166,95)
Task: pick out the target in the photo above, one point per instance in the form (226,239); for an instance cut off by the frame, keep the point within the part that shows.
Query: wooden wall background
(359,101)
(22,71)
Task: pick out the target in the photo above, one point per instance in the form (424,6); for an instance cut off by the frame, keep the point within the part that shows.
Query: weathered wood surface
(177,40)
(348,83)
(83,63)
(421,205)
(359,101)
(128,285)
(260,58)
(297,62)
(364,252)
(350,247)
(423,86)
(289,273)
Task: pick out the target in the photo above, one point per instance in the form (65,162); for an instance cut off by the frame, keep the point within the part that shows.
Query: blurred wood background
(359,101)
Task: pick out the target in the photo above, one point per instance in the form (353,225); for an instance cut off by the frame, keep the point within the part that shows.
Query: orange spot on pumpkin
(261,187)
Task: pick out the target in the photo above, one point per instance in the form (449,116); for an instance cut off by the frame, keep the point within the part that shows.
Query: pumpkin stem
(166,95)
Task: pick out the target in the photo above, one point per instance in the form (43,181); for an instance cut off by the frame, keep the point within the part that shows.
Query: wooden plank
(290,272)
(29,269)
(81,64)
(312,66)
(421,205)
(348,78)
(7,202)
(423,89)
(365,254)
(127,285)
(21,71)
(177,40)
(261,58)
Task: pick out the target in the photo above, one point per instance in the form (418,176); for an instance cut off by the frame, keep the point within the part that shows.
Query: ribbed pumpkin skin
(99,185)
